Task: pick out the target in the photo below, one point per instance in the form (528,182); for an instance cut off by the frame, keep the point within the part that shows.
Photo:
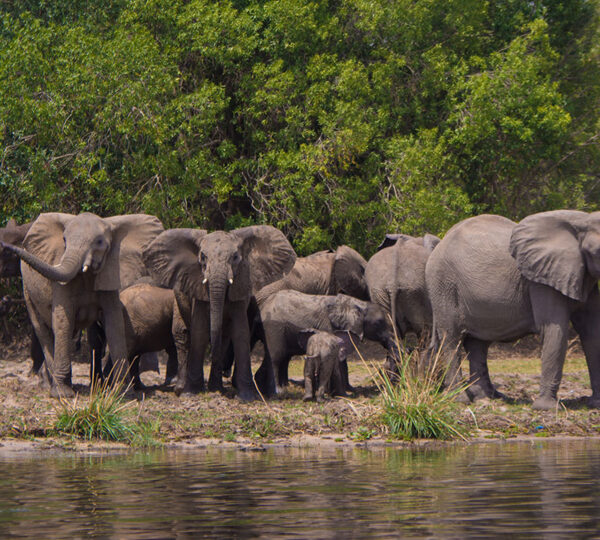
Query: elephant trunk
(64,272)
(217,291)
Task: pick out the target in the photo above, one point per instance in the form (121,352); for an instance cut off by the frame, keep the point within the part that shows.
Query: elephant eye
(236,258)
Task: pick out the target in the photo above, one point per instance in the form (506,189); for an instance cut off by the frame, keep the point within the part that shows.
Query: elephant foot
(170,380)
(544,403)
(476,392)
(593,402)
(61,391)
(247,396)
(188,390)
(307,397)
(215,386)
(462,397)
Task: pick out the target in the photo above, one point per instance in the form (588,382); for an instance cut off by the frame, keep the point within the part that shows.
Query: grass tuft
(102,417)
(415,404)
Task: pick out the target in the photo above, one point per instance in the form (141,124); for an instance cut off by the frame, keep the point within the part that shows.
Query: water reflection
(547,489)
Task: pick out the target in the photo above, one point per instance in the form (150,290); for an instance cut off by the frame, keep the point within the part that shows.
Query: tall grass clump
(415,403)
(101,417)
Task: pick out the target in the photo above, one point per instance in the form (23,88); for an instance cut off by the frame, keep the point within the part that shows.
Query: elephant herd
(137,288)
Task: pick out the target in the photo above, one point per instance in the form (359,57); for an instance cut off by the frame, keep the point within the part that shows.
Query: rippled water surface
(545,489)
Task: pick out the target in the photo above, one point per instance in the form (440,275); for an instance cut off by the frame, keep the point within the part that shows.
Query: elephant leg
(99,358)
(309,372)
(172,364)
(59,366)
(181,338)
(265,377)
(338,383)
(551,315)
(228,359)
(586,322)
(444,352)
(37,354)
(114,328)
(327,366)
(134,369)
(345,385)
(480,384)
(199,338)
(240,333)
(45,339)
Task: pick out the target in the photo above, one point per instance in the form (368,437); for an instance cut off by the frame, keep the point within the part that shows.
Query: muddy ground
(27,413)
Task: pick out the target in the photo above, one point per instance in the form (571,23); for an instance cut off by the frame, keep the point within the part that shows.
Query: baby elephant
(324,353)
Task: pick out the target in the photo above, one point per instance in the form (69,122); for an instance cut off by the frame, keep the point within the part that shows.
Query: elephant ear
(269,254)
(349,273)
(546,248)
(430,241)
(391,239)
(172,259)
(124,264)
(347,341)
(45,237)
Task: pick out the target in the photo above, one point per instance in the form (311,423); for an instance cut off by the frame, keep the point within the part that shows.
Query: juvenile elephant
(73,268)
(149,326)
(324,354)
(215,274)
(324,272)
(286,313)
(491,279)
(395,277)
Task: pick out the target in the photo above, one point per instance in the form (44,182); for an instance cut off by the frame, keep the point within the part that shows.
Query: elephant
(73,267)
(215,275)
(395,277)
(324,272)
(10,267)
(286,313)
(148,313)
(12,234)
(324,353)
(491,279)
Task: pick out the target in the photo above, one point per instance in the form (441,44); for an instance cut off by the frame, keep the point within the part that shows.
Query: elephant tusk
(205,281)
(230,281)
(85,268)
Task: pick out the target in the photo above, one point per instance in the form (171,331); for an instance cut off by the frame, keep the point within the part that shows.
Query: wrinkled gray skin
(73,268)
(326,272)
(149,325)
(214,276)
(491,279)
(10,267)
(324,354)
(395,276)
(286,313)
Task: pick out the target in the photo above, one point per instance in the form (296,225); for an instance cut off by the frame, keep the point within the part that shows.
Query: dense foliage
(334,120)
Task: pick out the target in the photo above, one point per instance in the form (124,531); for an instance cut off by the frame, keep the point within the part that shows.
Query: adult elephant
(325,272)
(491,279)
(214,275)
(73,268)
(395,277)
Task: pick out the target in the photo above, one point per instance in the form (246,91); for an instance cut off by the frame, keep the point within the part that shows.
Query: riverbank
(27,414)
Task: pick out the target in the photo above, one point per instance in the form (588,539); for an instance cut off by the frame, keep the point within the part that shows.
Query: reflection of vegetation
(103,417)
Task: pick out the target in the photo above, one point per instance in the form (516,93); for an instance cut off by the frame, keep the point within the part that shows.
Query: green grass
(103,417)
(415,405)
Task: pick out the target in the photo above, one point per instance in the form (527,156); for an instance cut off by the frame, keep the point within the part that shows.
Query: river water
(548,489)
